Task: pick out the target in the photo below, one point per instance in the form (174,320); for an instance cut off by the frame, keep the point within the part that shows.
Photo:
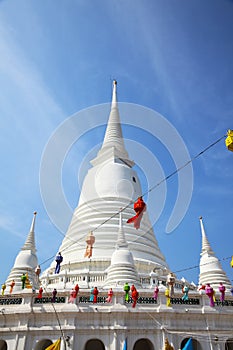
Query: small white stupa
(210,267)
(122,268)
(25,262)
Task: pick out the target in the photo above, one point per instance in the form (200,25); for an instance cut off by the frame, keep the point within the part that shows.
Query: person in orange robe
(90,240)
(139,208)
(12,286)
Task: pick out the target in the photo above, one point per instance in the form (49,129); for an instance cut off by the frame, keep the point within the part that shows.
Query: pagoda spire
(30,241)
(206,248)
(113,146)
(210,267)
(113,134)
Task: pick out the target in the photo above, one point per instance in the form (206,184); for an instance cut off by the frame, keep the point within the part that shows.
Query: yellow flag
(229,140)
(231,262)
(55,346)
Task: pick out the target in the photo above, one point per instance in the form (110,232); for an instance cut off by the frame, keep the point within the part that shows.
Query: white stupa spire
(113,146)
(210,267)
(122,268)
(26,261)
(206,248)
(30,241)
(113,134)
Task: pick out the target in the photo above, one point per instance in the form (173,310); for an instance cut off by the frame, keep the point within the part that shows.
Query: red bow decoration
(139,208)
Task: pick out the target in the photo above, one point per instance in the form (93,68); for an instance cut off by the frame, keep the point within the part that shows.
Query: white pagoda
(101,250)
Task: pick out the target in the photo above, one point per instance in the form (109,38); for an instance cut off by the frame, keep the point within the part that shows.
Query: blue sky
(173,57)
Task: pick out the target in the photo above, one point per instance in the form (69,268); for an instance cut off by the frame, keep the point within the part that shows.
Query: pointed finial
(33,222)
(114,94)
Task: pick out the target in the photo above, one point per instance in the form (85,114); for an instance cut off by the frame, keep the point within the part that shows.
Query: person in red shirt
(95,293)
(76,288)
(134,295)
(40,293)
